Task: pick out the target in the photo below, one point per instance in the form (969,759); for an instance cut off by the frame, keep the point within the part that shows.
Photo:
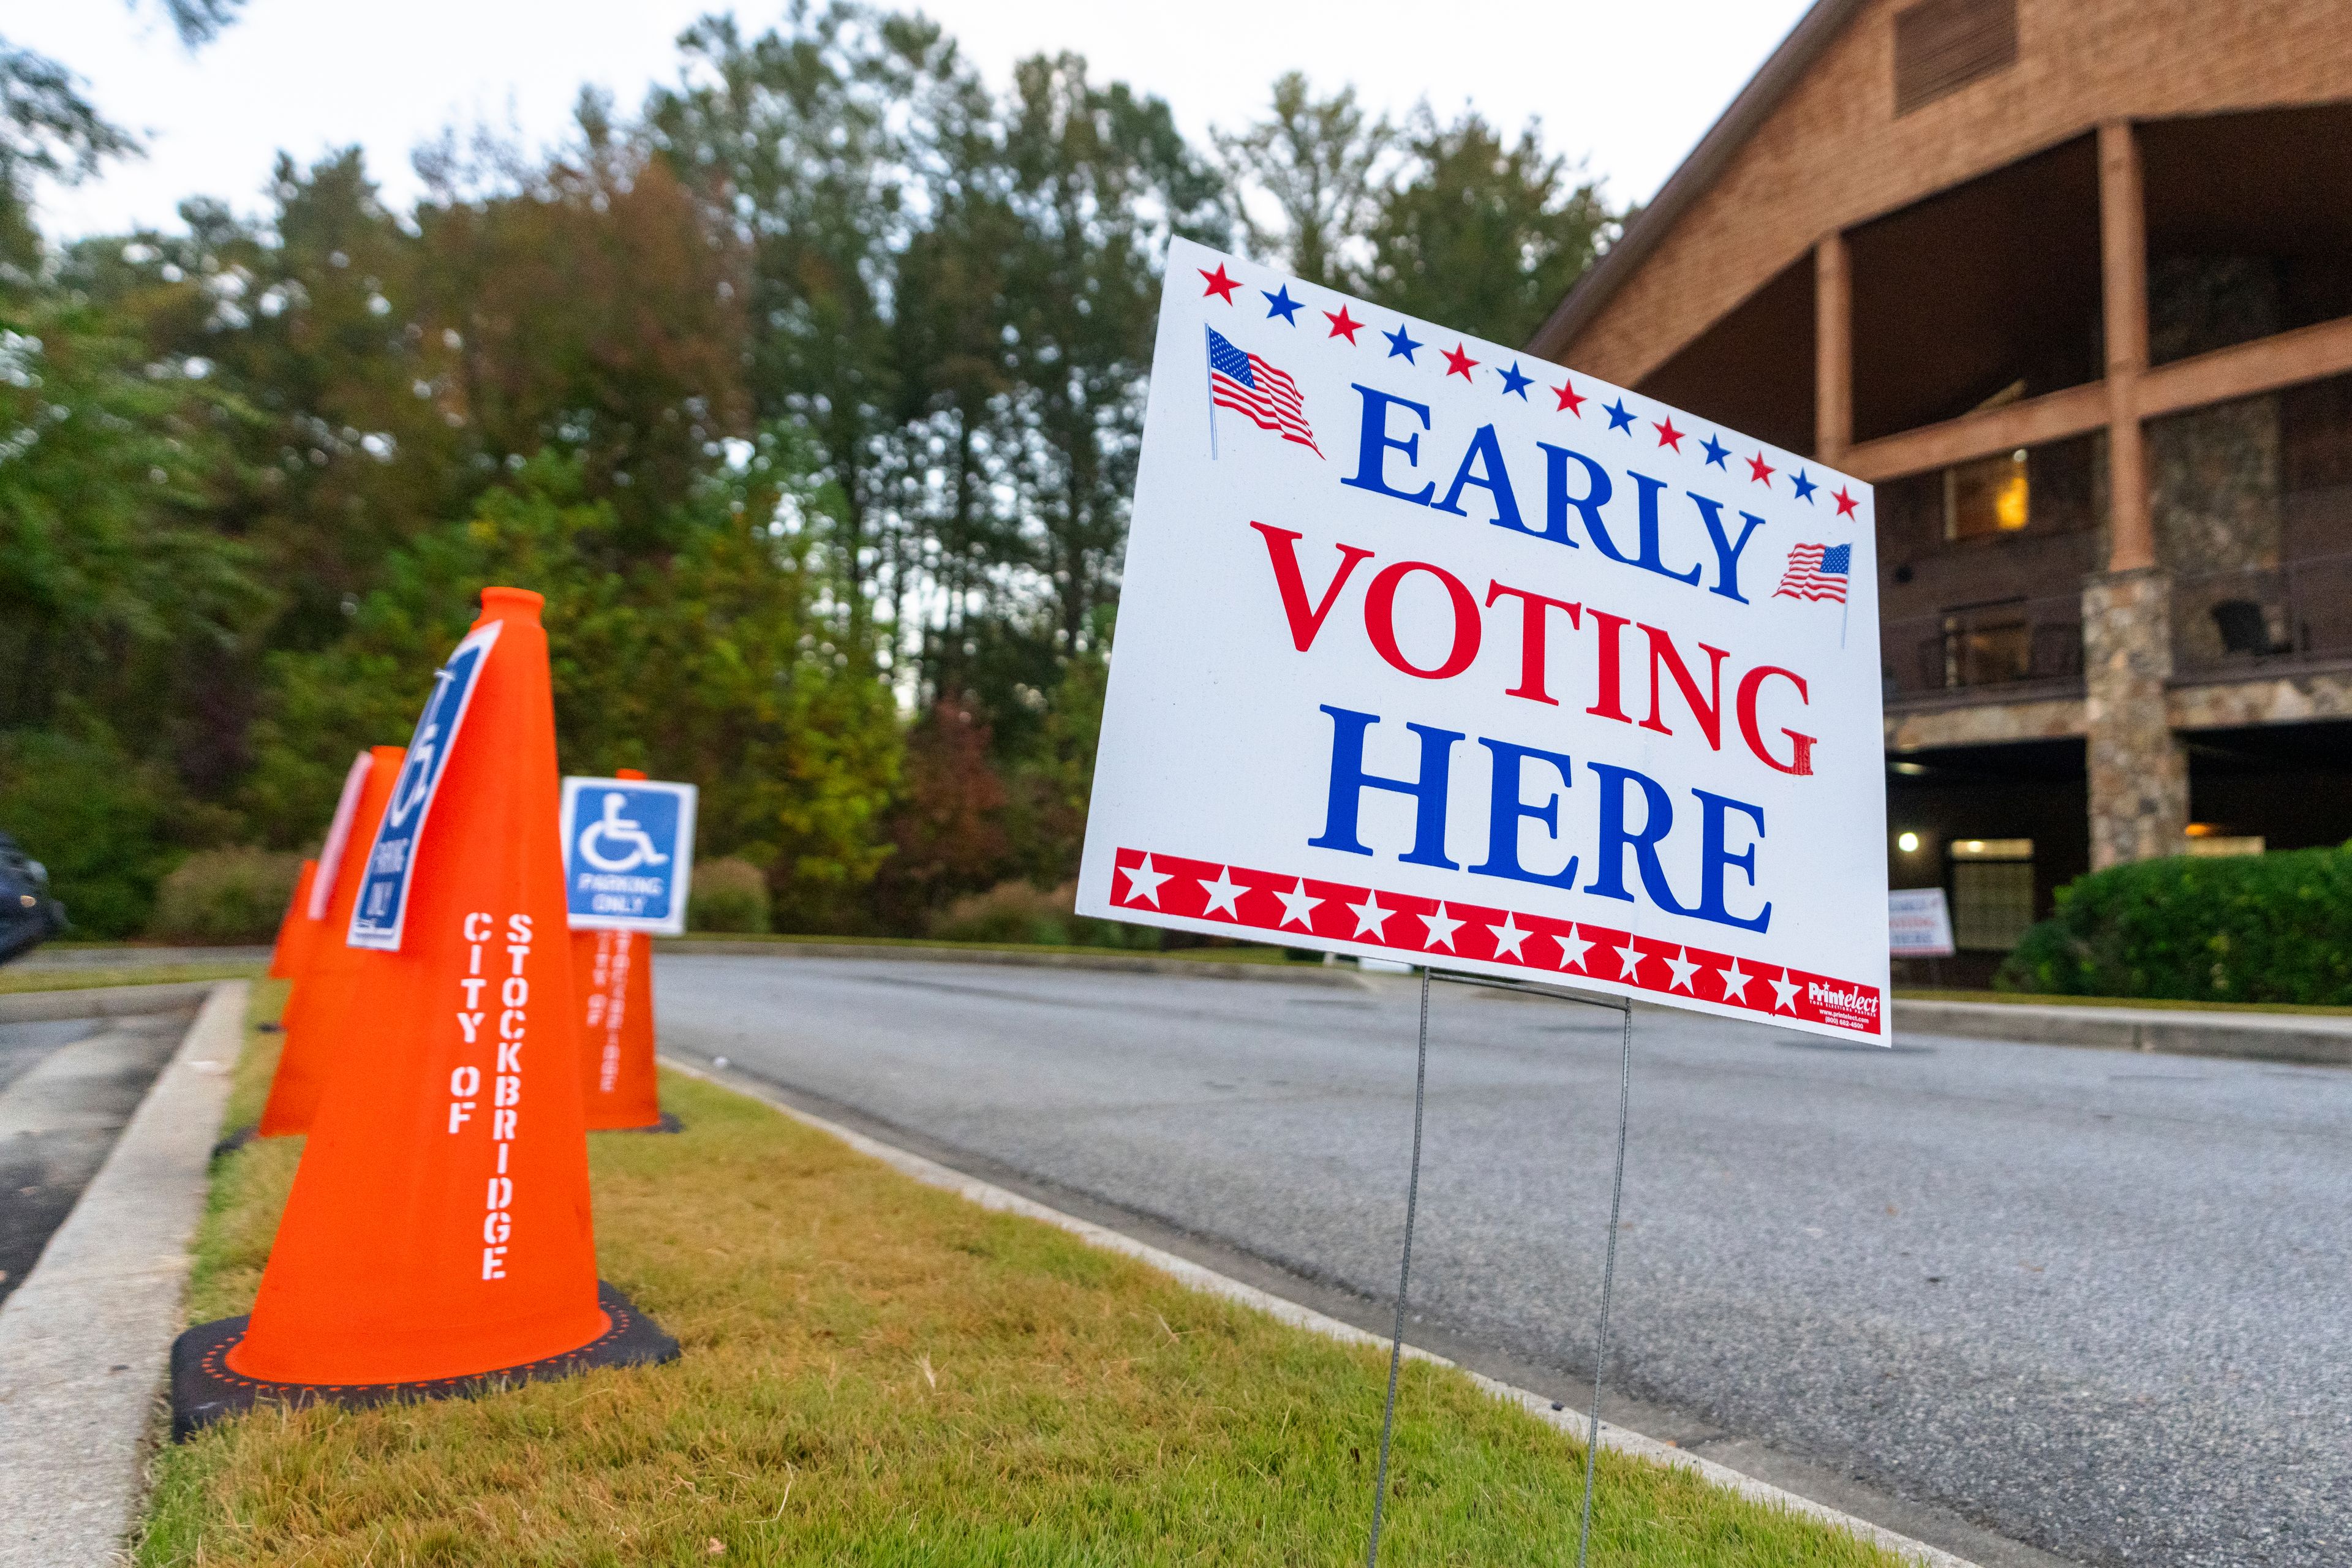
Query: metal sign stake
(1622,1008)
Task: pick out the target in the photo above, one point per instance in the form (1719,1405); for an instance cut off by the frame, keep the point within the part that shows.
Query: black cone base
(203,1389)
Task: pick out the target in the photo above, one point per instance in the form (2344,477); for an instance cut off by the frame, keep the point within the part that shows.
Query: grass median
(92,977)
(877,1372)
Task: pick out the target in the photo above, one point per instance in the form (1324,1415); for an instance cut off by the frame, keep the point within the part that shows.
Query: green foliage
(2251,929)
(1019,911)
(722,659)
(726,894)
(810,395)
(1485,235)
(99,821)
(225,895)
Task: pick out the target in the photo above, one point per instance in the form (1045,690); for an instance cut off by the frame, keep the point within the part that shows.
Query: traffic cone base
(206,1388)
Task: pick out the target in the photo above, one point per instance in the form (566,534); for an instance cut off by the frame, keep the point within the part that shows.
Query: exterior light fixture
(1908,843)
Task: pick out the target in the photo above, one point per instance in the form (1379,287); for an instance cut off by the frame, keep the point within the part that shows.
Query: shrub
(97,819)
(728,894)
(1020,911)
(224,895)
(2260,928)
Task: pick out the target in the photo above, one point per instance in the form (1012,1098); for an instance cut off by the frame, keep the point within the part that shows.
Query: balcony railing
(2010,643)
(2262,617)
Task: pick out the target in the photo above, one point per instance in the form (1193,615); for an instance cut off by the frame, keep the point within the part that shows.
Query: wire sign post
(1470,662)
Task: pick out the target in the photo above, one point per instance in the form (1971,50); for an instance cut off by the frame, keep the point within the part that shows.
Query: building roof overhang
(1780,71)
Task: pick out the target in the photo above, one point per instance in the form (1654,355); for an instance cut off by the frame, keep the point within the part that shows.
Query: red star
(1341,326)
(1458,361)
(1668,435)
(1220,285)
(1570,398)
(1759,471)
(1845,502)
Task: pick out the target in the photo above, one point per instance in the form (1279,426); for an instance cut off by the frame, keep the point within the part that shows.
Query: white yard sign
(1428,650)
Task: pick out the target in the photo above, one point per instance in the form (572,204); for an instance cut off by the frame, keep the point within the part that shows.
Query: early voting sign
(628,847)
(383,902)
(1428,650)
(1918,923)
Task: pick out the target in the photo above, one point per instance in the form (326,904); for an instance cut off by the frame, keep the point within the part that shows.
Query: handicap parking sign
(628,847)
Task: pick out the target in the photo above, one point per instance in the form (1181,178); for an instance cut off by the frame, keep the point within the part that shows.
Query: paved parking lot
(2092,1300)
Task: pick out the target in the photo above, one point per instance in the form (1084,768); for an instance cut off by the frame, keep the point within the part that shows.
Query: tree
(1316,162)
(1482,235)
(47,127)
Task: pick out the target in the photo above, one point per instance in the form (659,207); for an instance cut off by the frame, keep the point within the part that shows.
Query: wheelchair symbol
(614,828)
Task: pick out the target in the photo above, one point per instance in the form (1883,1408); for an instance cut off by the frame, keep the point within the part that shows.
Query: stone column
(2138,768)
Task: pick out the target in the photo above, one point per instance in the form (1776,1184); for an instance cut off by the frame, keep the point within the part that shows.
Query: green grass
(85,978)
(1244,953)
(2018,998)
(877,1372)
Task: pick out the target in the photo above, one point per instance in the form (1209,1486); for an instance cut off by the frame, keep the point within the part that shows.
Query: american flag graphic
(1816,572)
(1245,384)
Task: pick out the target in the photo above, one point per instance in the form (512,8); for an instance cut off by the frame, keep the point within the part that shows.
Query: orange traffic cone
(320,1026)
(437,1238)
(614,973)
(294,928)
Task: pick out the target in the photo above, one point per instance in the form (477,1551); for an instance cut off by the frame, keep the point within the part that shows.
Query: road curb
(2306,1039)
(1615,1439)
(1111,963)
(103,1001)
(85,1342)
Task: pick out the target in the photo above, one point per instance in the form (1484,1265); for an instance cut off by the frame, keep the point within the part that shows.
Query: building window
(1990,496)
(1992,892)
(1944,45)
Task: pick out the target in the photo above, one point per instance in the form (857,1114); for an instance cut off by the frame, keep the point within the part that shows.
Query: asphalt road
(66,1089)
(2093,1301)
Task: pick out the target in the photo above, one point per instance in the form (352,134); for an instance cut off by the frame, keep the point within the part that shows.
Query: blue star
(1514,381)
(1621,417)
(1401,344)
(1805,488)
(1716,452)
(1282,304)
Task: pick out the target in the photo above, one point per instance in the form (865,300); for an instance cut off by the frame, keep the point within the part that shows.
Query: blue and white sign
(383,902)
(628,851)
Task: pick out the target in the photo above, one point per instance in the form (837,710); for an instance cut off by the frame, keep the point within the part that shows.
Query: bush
(1019,911)
(97,819)
(226,895)
(728,894)
(2258,927)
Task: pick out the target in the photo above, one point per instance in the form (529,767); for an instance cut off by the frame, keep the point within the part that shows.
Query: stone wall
(2138,769)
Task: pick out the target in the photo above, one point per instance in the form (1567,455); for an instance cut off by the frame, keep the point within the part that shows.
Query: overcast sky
(1631,86)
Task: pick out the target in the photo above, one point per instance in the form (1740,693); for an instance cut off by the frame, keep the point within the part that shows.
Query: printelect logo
(1830,996)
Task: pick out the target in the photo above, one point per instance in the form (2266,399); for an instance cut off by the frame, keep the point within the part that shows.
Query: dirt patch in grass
(877,1372)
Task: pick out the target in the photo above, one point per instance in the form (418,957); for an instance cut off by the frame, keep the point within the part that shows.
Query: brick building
(2071,282)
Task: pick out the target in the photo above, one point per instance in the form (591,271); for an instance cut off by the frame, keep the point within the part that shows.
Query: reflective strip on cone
(439,1224)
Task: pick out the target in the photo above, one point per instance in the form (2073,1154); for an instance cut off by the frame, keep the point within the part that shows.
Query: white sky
(1633,84)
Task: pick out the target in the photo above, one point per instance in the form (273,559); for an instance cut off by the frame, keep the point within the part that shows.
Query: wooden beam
(1833,351)
(2224,375)
(2122,272)
(2052,416)
(2266,364)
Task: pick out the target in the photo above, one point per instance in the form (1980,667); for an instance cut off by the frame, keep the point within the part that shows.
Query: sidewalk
(85,1342)
(2313,1039)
